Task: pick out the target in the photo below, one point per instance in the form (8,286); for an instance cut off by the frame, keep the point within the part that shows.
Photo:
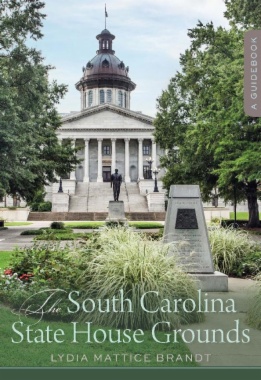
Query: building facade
(106,132)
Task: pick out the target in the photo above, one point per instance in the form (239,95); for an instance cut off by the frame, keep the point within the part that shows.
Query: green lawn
(93,225)
(242,215)
(87,225)
(25,354)
(15,224)
(4,259)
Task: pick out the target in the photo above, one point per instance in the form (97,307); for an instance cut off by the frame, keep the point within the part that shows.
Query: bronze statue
(116,180)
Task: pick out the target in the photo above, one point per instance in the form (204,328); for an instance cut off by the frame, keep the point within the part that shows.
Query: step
(95,197)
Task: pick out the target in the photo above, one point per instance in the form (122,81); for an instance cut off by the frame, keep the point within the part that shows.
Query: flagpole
(105,16)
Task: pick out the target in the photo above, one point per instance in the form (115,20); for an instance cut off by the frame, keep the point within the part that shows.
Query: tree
(30,153)
(201,120)
(244,12)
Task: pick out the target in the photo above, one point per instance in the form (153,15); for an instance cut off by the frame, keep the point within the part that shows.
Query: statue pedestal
(116,213)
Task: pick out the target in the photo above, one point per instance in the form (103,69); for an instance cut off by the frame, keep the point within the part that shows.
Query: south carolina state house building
(107,133)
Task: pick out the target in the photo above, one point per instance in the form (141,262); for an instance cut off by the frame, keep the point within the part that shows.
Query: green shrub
(57,226)
(45,207)
(250,265)
(154,235)
(230,248)
(216,221)
(60,235)
(119,258)
(38,202)
(32,232)
(146,225)
(47,262)
(36,270)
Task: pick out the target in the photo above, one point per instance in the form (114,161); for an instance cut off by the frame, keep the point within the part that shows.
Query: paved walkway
(11,238)
(230,354)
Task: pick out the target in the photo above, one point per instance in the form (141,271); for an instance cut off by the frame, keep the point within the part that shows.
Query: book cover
(177,294)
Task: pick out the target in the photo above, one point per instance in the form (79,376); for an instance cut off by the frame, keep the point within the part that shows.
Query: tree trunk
(251,193)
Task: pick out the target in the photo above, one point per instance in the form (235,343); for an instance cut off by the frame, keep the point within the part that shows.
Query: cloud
(150,36)
(135,11)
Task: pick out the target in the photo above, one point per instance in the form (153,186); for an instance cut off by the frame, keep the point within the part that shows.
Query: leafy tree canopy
(201,120)
(246,13)
(30,154)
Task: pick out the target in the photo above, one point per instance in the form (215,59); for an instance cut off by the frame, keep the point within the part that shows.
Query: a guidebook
(130,234)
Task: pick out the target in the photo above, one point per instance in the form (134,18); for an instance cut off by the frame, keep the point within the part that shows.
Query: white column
(73,175)
(81,100)
(86,161)
(113,155)
(128,100)
(99,177)
(154,154)
(114,96)
(127,160)
(141,159)
(97,93)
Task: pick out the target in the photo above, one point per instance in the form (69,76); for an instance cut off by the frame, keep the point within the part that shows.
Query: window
(105,63)
(108,96)
(125,100)
(106,150)
(105,44)
(120,98)
(146,150)
(90,98)
(102,97)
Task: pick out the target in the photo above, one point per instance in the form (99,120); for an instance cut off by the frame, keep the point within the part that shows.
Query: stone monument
(116,208)
(116,213)
(186,230)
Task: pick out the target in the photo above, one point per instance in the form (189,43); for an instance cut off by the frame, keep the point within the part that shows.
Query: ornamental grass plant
(119,258)
(230,247)
(254,312)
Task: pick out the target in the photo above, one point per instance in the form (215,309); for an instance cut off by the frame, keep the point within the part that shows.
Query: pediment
(107,117)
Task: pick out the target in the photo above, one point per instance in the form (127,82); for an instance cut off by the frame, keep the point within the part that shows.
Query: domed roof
(105,68)
(104,64)
(105,31)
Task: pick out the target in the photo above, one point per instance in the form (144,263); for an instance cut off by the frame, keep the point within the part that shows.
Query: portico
(101,153)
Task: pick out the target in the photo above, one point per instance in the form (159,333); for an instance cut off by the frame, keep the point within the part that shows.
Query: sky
(150,36)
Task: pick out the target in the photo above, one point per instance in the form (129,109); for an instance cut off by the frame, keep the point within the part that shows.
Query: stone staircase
(94,197)
(78,201)
(136,201)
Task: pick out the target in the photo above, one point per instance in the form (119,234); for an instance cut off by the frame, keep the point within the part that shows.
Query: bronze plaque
(186,219)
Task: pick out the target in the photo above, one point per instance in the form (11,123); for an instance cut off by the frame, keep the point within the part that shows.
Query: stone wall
(17,215)
(69,186)
(147,186)
(156,202)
